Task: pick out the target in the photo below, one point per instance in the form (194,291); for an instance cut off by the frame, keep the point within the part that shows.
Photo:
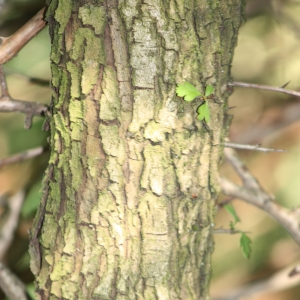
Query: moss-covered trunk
(133,176)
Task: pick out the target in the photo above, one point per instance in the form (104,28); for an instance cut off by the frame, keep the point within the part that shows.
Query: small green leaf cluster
(245,241)
(189,93)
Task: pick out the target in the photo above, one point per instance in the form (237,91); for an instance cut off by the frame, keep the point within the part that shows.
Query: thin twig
(8,229)
(4,90)
(8,104)
(277,282)
(22,156)
(254,194)
(264,87)
(11,285)
(252,147)
(228,231)
(10,46)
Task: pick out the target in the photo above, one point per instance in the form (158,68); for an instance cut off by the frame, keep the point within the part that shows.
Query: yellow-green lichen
(110,101)
(154,170)
(75,79)
(63,14)
(62,267)
(93,154)
(155,236)
(155,132)
(70,238)
(94,16)
(75,165)
(112,144)
(143,109)
(92,48)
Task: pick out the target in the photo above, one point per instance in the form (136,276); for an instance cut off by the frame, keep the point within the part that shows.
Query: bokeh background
(268,52)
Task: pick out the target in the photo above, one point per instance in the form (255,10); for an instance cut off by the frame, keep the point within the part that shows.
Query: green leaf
(209,90)
(188,91)
(230,209)
(245,242)
(203,112)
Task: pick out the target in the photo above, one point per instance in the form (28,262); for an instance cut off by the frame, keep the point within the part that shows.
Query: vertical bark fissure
(129,213)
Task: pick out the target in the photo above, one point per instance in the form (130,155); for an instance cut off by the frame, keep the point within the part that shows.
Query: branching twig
(11,285)
(254,194)
(265,87)
(10,46)
(252,147)
(278,282)
(30,109)
(22,156)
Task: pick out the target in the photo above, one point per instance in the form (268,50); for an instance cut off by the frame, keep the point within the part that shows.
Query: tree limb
(11,285)
(254,194)
(8,104)
(252,147)
(7,231)
(10,46)
(264,87)
(22,156)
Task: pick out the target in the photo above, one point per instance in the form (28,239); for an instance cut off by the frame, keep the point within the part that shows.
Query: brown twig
(10,46)
(22,156)
(277,282)
(264,87)
(8,104)
(254,194)
(228,231)
(11,285)
(8,229)
(252,147)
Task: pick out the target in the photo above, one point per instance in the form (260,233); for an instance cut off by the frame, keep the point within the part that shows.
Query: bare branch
(22,156)
(264,87)
(252,147)
(278,282)
(11,285)
(8,229)
(4,89)
(30,109)
(228,231)
(241,169)
(10,46)
(254,194)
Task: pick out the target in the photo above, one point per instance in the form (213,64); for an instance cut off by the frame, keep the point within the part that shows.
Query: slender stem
(252,147)
(265,87)
(12,45)
(22,156)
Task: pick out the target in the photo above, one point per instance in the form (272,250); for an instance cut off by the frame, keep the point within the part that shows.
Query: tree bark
(128,204)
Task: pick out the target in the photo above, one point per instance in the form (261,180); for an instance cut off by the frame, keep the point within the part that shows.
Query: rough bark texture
(133,176)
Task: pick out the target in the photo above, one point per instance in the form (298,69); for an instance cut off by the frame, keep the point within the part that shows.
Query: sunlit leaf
(209,90)
(245,242)
(203,112)
(187,91)
(230,209)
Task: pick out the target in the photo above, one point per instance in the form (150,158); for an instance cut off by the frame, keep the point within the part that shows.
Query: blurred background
(268,52)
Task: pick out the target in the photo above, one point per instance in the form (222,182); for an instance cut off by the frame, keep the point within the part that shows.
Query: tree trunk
(129,194)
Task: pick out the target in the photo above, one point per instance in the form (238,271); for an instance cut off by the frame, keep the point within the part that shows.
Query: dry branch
(8,104)
(8,229)
(22,156)
(252,147)
(265,87)
(253,193)
(10,46)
